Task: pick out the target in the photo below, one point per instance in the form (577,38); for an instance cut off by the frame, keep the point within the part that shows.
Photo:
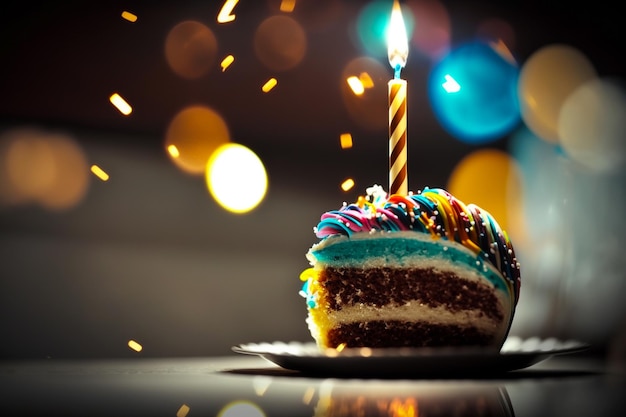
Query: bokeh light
(190,49)
(280,43)
(183,410)
(546,79)
(49,169)
(572,258)
(431,35)
(236,178)
(592,125)
(490,179)
(241,409)
(369,109)
(485,107)
(195,132)
(372,23)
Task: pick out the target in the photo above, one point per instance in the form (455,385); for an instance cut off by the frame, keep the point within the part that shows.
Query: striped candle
(397,52)
(398,181)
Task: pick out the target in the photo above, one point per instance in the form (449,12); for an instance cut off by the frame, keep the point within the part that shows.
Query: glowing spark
(287,6)
(271,83)
(226,62)
(451,86)
(356,85)
(346,140)
(121,104)
(347,184)
(98,172)
(134,346)
(182,411)
(173,150)
(341,347)
(366,80)
(129,16)
(225,15)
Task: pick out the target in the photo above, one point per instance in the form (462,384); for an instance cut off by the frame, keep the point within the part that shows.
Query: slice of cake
(420,270)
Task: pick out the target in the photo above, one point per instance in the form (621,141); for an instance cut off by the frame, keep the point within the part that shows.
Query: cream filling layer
(415,312)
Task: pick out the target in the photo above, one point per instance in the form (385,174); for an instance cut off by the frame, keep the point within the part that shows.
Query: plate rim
(414,361)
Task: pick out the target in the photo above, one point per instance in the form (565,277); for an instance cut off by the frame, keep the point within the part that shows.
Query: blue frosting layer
(396,251)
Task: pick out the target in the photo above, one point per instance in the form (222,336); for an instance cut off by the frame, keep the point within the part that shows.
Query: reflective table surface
(250,386)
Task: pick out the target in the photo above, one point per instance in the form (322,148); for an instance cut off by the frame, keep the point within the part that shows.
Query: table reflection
(253,387)
(411,401)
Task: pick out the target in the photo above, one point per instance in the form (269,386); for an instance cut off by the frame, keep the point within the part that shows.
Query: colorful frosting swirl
(432,210)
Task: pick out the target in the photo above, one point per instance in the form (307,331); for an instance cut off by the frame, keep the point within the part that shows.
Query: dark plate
(308,358)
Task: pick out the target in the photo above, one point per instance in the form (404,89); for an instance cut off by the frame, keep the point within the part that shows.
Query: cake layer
(402,333)
(405,250)
(413,312)
(396,287)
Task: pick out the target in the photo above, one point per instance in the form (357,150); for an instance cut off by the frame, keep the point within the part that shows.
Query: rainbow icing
(432,211)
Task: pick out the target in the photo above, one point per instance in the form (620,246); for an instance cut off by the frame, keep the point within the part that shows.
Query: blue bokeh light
(372,23)
(473,93)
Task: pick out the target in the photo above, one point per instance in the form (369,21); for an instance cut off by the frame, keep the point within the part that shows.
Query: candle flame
(397,41)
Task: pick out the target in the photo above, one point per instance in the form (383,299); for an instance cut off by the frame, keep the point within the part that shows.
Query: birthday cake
(417,270)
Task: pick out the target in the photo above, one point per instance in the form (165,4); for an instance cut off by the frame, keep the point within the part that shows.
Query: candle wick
(396,73)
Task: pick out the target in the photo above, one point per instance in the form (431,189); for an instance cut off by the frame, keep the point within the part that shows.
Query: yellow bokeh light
(269,85)
(41,167)
(134,345)
(356,85)
(226,62)
(490,179)
(241,409)
(183,411)
(121,104)
(226,13)
(546,80)
(366,80)
(345,140)
(129,16)
(307,397)
(195,132)
(173,151)
(236,178)
(347,184)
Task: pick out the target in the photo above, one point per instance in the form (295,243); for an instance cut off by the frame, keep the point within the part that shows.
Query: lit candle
(397,52)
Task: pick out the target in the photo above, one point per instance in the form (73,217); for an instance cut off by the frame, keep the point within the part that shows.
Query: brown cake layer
(396,333)
(383,286)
